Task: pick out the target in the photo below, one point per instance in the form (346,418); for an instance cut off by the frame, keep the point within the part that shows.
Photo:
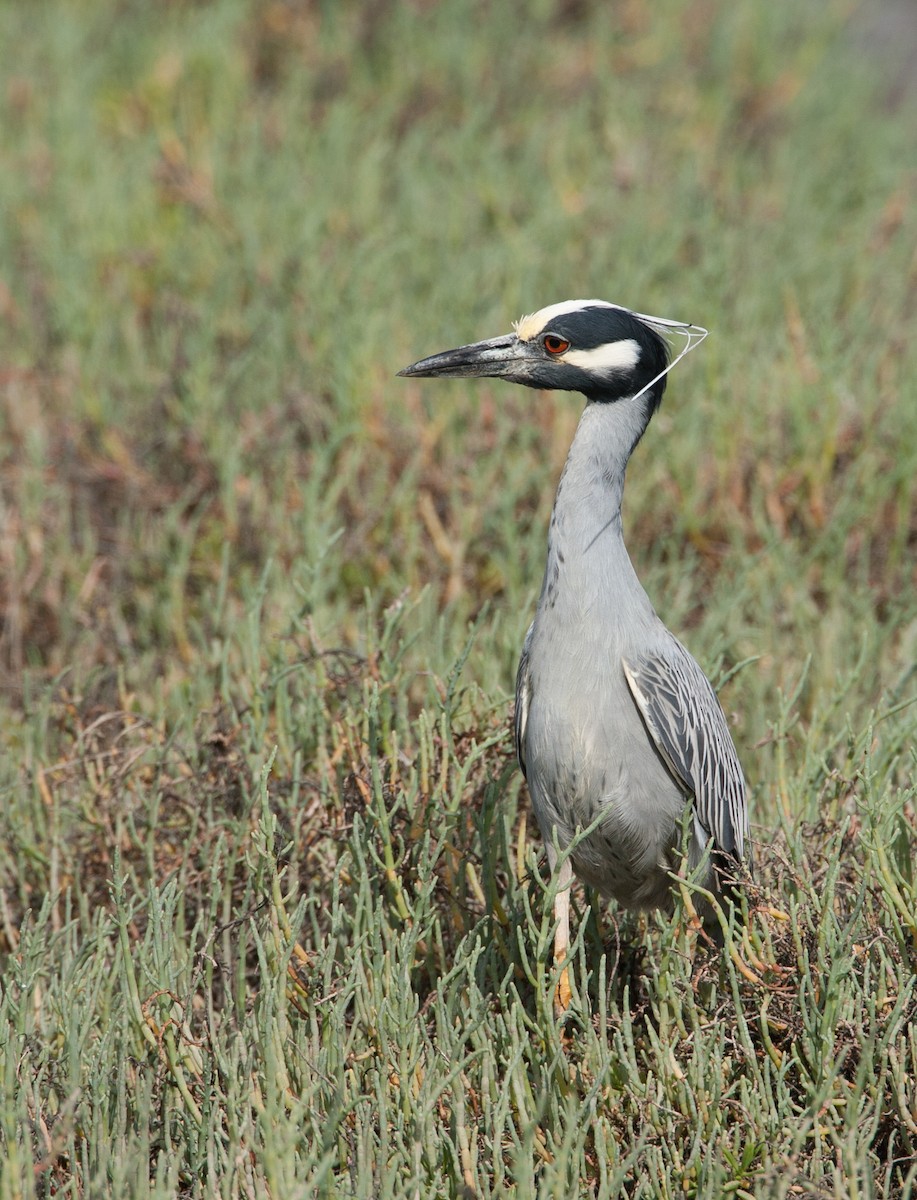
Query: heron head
(602,350)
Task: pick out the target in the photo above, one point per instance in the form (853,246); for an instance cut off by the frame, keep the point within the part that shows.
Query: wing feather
(523,695)
(685,720)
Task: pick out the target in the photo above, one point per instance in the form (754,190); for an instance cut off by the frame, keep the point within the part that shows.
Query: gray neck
(588,567)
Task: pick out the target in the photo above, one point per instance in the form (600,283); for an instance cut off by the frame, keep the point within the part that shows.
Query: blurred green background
(228,531)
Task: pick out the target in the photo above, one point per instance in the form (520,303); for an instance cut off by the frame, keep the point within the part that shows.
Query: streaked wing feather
(523,695)
(685,720)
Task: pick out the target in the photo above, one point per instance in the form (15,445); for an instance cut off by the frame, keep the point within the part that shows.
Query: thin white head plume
(693,335)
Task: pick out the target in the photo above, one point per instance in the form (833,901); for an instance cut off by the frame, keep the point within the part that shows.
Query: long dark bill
(491,359)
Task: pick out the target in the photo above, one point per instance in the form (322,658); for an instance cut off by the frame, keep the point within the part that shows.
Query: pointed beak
(494,358)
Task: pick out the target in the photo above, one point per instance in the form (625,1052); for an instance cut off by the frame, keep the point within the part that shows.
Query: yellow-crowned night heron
(613,716)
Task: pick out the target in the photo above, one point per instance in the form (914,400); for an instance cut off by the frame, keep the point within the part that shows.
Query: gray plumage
(614,718)
(613,715)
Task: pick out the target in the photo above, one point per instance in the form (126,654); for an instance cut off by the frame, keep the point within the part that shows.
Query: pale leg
(563,991)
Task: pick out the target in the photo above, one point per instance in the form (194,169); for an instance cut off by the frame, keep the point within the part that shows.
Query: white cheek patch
(614,356)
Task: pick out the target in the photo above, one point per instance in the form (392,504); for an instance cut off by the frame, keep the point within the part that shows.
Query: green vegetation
(274,918)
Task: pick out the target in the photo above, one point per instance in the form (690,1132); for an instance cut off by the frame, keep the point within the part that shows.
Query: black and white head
(602,350)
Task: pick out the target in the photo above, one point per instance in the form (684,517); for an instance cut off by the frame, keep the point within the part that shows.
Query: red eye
(555,345)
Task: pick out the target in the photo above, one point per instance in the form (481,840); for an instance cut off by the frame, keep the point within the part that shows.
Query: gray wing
(523,695)
(686,722)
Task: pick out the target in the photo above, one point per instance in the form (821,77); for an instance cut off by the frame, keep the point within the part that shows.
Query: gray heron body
(617,727)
